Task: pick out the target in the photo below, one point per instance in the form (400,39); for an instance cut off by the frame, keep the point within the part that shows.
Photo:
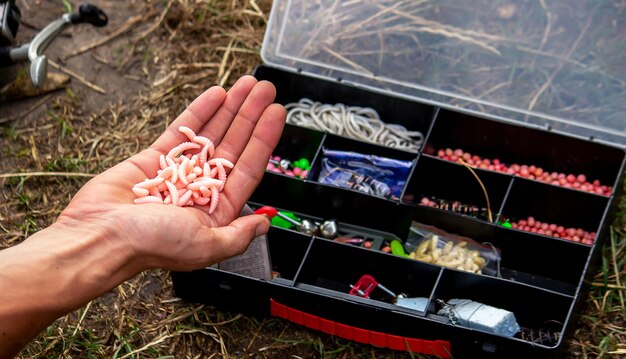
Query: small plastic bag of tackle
(432,245)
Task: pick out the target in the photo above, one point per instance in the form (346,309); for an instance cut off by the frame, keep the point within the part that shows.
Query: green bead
(303,163)
(506,225)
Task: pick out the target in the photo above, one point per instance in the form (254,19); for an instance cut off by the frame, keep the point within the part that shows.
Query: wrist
(55,271)
(83,260)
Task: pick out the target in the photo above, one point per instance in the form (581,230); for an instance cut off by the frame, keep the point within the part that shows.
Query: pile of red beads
(571,234)
(298,169)
(532,172)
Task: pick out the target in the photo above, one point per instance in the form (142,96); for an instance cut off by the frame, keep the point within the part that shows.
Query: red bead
(531,221)
(449,152)
(571,178)
(581,178)
(539,171)
(441,153)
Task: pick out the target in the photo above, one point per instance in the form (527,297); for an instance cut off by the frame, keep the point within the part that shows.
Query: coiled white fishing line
(359,123)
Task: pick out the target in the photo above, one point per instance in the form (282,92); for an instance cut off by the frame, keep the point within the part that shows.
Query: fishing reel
(11,54)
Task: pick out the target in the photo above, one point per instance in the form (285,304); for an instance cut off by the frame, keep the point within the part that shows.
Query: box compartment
(297,142)
(290,88)
(525,146)
(555,205)
(287,250)
(330,268)
(451,182)
(533,307)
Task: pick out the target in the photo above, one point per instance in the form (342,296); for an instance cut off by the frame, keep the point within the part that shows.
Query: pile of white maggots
(359,123)
(186,180)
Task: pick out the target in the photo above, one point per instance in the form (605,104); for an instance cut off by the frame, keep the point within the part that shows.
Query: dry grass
(171,51)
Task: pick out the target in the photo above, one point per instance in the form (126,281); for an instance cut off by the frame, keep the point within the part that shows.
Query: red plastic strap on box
(440,348)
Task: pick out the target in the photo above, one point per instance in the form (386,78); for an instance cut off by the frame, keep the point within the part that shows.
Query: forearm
(55,271)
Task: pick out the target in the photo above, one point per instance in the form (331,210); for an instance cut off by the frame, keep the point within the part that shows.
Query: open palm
(245,126)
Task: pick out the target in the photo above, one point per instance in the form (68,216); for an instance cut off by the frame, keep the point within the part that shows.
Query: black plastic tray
(542,278)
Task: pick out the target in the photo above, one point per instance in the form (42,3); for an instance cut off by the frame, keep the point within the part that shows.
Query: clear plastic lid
(556,64)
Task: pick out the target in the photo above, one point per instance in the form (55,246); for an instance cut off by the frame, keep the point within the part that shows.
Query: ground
(122,94)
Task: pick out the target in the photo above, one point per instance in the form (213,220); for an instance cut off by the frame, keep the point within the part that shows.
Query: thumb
(236,237)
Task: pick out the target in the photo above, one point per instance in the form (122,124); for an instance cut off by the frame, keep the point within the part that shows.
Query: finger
(250,167)
(239,132)
(197,114)
(225,115)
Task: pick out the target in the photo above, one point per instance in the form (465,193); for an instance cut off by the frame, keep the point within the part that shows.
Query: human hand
(245,127)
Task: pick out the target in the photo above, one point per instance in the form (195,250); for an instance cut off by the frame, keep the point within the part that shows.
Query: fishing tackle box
(517,82)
